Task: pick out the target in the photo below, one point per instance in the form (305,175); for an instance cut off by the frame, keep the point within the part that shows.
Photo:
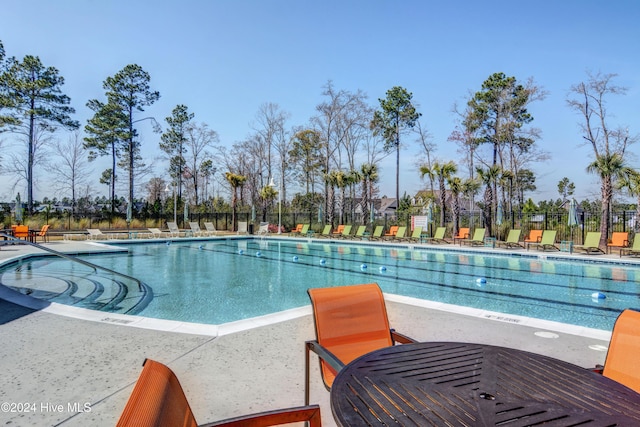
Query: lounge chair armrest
(401,338)
(309,413)
(330,358)
(598,369)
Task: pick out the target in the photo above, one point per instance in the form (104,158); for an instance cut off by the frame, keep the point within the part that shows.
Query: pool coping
(245,324)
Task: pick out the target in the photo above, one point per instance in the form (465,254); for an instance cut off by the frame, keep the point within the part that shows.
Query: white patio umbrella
(129,213)
(186,212)
(18,211)
(430,216)
(573,216)
(372,213)
(499,218)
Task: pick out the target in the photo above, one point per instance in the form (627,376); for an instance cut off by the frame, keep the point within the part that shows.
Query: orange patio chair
(43,233)
(621,363)
(535,236)
(20,231)
(619,239)
(393,230)
(349,321)
(158,400)
(463,233)
(338,231)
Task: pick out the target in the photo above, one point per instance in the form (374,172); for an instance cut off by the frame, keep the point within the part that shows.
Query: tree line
(331,162)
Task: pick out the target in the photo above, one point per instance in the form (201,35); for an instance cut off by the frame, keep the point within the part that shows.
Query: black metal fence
(559,221)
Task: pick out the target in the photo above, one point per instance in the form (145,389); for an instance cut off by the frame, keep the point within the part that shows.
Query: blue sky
(224,59)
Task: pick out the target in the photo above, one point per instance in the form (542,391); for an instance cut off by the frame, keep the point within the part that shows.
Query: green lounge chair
(513,240)
(300,231)
(591,243)
(548,241)
(326,231)
(360,232)
(438,236)
(416,235)
(346,232)
(377,233)
(400,234)
(633,250)
(477,239)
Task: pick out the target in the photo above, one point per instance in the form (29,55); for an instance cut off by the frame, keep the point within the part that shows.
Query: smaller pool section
(219,281)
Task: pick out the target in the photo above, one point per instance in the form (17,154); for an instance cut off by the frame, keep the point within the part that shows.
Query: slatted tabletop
(461,384)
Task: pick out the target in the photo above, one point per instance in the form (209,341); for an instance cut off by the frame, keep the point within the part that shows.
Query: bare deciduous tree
(70,167)
(608,143)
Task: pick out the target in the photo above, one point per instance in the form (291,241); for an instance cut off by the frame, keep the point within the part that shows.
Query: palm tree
(632,184)
(235,181)
(470,188)
(430,173)
(331,181)
(443,171)
(353,178)
(267,194)
(609,167)
(368,175)
(341,181)
(456,187)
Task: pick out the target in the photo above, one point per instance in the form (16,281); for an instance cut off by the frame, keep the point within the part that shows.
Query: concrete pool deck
(53,365)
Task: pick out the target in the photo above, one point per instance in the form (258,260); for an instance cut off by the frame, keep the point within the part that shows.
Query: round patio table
(463,384)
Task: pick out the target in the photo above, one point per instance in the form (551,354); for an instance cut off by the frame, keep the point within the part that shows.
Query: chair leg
(306,374)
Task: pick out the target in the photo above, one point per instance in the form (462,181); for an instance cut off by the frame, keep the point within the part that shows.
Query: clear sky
(225,58)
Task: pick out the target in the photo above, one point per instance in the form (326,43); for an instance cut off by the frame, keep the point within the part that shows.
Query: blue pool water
(226,280)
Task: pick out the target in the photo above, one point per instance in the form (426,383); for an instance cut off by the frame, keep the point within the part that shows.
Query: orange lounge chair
(350,321)
(338,231)
(535,236)
(158,400)
(300,230)
(43,233)
(463,233)
(621,363)
(393,230)
(619,239)
(20,231)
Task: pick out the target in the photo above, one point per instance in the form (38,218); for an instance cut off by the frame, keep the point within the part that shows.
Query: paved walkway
(68,371)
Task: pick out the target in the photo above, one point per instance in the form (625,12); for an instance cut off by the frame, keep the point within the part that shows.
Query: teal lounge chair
(591,243)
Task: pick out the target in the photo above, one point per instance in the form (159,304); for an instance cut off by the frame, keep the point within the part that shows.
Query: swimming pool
(219,281)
